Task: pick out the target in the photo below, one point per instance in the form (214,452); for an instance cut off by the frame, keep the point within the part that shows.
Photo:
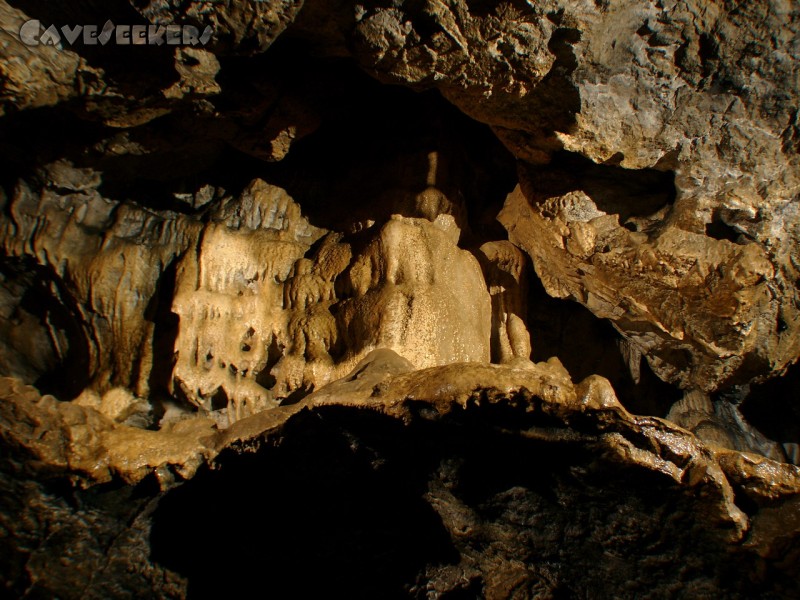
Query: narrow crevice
(165,332)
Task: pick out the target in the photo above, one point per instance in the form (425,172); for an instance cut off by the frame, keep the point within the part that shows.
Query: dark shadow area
(557,84)
(484,8)
(587,345)
(60,541)
(297,395)
(165,331)
(372,150)
(773,407)
(320,515)
(172,162)
(265,377)
(752,367)
(154,179)
(362,150)
(720,230)
(146,165)
(219,400)
(36,137)
(46,328)
(350,503)
(631,194)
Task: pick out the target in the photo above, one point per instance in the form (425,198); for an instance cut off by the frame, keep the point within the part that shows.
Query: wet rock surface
(429,299)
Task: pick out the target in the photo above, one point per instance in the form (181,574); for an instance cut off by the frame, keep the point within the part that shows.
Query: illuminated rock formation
(444,298)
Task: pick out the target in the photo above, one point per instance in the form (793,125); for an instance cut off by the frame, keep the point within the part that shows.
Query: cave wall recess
(435,299)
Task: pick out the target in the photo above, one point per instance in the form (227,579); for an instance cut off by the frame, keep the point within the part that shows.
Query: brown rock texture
(458,434)
(702,94)
(427,299)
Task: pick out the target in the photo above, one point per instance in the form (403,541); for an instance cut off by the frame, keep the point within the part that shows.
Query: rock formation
(433,298)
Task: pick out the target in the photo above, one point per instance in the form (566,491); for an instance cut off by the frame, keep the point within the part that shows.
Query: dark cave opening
(633,195)
(311,503)
(773,408)
(371,143)
(373,147)
(720,230)
(372,507)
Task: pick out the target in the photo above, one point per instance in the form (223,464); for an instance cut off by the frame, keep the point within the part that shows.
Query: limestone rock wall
(229,298)
(332,239)
(102,262)
(253,312)
(702,93)
(381,435)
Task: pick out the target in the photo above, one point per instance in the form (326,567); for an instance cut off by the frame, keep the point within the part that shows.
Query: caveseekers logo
(33,33)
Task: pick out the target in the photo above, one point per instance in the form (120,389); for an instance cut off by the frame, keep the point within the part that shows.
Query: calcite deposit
(401,299)
(701,93)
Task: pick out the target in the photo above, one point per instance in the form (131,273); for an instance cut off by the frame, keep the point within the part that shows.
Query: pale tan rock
(406,285)
(229,297)
(92,448)
(197,69)
(103,263)
(722,425)
(399,293)
(504,267)
(183,447)
(761,477)
(118,404)
(254,307)
(700,310)
(89,399)
(705,94)
(38,76)
(368,376)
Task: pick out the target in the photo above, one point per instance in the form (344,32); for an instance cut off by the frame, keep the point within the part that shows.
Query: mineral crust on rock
(705,94)
(299,296)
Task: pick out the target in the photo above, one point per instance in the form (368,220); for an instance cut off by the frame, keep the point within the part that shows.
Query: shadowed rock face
(490,480)
(413,299)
